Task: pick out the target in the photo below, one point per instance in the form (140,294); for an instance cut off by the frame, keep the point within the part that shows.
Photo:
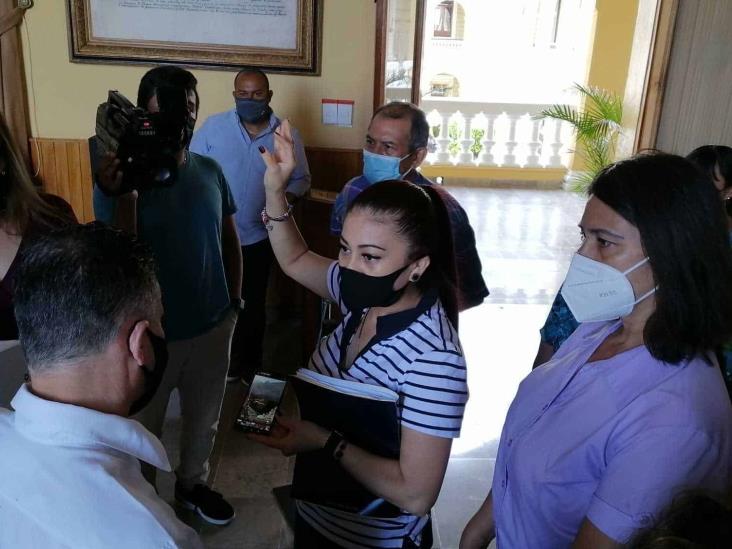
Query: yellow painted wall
(611,48)
(484,174)
(64,95)
(612,43)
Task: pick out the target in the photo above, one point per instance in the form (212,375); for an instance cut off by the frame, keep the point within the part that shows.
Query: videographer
(188,222)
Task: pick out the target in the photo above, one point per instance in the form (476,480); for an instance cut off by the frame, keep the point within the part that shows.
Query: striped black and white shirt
(417,354)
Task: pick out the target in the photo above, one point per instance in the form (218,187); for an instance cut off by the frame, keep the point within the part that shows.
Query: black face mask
(253,111)
(153,376)
(360,291)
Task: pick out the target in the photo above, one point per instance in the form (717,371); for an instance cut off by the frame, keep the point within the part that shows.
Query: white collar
(54,423)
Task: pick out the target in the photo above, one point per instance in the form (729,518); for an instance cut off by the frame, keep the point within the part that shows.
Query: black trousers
(306,537)
(247,343)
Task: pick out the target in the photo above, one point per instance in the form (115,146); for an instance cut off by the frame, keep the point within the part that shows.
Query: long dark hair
(421,218)
(684,234)
(20,203)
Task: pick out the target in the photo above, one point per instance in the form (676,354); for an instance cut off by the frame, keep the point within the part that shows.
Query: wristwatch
(335,445)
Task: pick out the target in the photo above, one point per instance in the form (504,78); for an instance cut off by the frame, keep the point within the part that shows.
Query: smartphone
(258,412)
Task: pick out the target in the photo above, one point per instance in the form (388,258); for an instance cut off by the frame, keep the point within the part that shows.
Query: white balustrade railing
(471,133)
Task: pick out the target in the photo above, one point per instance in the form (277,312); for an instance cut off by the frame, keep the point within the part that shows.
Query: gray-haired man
(88,310)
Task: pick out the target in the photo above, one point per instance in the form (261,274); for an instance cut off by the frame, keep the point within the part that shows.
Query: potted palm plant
(596,125)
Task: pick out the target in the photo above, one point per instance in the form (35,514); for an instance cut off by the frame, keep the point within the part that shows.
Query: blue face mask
(252,110)
(379,167)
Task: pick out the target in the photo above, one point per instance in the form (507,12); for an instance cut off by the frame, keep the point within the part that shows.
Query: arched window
(444,85)
(449,20)
(445,11)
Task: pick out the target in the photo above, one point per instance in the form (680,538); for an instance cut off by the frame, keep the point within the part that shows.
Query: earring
(415,277)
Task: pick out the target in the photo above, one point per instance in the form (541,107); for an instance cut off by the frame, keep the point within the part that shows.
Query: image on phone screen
(259,409)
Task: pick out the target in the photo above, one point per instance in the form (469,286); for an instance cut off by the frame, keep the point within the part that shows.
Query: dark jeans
(246,345)
(306,537)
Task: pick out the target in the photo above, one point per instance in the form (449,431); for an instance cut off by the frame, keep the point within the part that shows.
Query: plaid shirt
(471,286)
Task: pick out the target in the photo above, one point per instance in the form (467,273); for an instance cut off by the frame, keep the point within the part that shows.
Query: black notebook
(367,416)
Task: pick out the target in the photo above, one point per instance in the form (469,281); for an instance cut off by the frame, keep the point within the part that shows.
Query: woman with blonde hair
(24,212)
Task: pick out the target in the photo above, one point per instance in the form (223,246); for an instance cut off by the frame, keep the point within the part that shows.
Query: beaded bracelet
(267,219)
(338,454)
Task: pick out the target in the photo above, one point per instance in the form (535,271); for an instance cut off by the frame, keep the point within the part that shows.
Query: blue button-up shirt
(223,138)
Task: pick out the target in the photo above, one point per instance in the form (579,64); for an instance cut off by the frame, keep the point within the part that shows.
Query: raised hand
(281,162)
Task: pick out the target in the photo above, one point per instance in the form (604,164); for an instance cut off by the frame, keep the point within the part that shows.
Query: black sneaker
(210,505)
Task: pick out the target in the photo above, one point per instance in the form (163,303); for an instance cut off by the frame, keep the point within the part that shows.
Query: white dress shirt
(70,478)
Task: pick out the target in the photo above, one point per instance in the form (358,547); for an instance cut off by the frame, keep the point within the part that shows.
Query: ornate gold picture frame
(274,35)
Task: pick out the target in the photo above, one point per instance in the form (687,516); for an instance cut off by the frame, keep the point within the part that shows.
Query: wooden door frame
(659,58)
(419,20)
(382,14)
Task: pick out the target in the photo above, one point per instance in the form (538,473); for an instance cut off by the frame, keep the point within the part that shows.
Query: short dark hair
(421,217)
(709,156)
(684,234)
(694,519)
(74,289)
(419,132)
(252,70)
(165,75)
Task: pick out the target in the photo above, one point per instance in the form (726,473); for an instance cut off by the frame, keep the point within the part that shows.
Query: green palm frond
(581,181)
(565,113)
(597,155)
(582,124)
(604,105)
(596,127)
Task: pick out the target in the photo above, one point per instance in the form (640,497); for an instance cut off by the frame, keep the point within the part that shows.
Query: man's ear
(233,94)
(139,344)
(419,155)
(270,93)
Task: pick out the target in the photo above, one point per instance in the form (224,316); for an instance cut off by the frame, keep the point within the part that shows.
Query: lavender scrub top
(613,440)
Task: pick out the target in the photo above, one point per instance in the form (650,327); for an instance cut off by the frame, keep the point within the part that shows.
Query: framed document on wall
(275,35)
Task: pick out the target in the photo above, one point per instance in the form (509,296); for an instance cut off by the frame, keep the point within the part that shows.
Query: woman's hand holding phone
(293,436)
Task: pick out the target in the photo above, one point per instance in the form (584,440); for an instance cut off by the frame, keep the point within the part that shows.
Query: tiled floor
(525,240)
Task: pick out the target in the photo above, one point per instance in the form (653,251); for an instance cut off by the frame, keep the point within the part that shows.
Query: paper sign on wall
(338,112)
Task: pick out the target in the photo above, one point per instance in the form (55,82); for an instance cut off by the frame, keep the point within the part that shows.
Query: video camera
(146,143)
